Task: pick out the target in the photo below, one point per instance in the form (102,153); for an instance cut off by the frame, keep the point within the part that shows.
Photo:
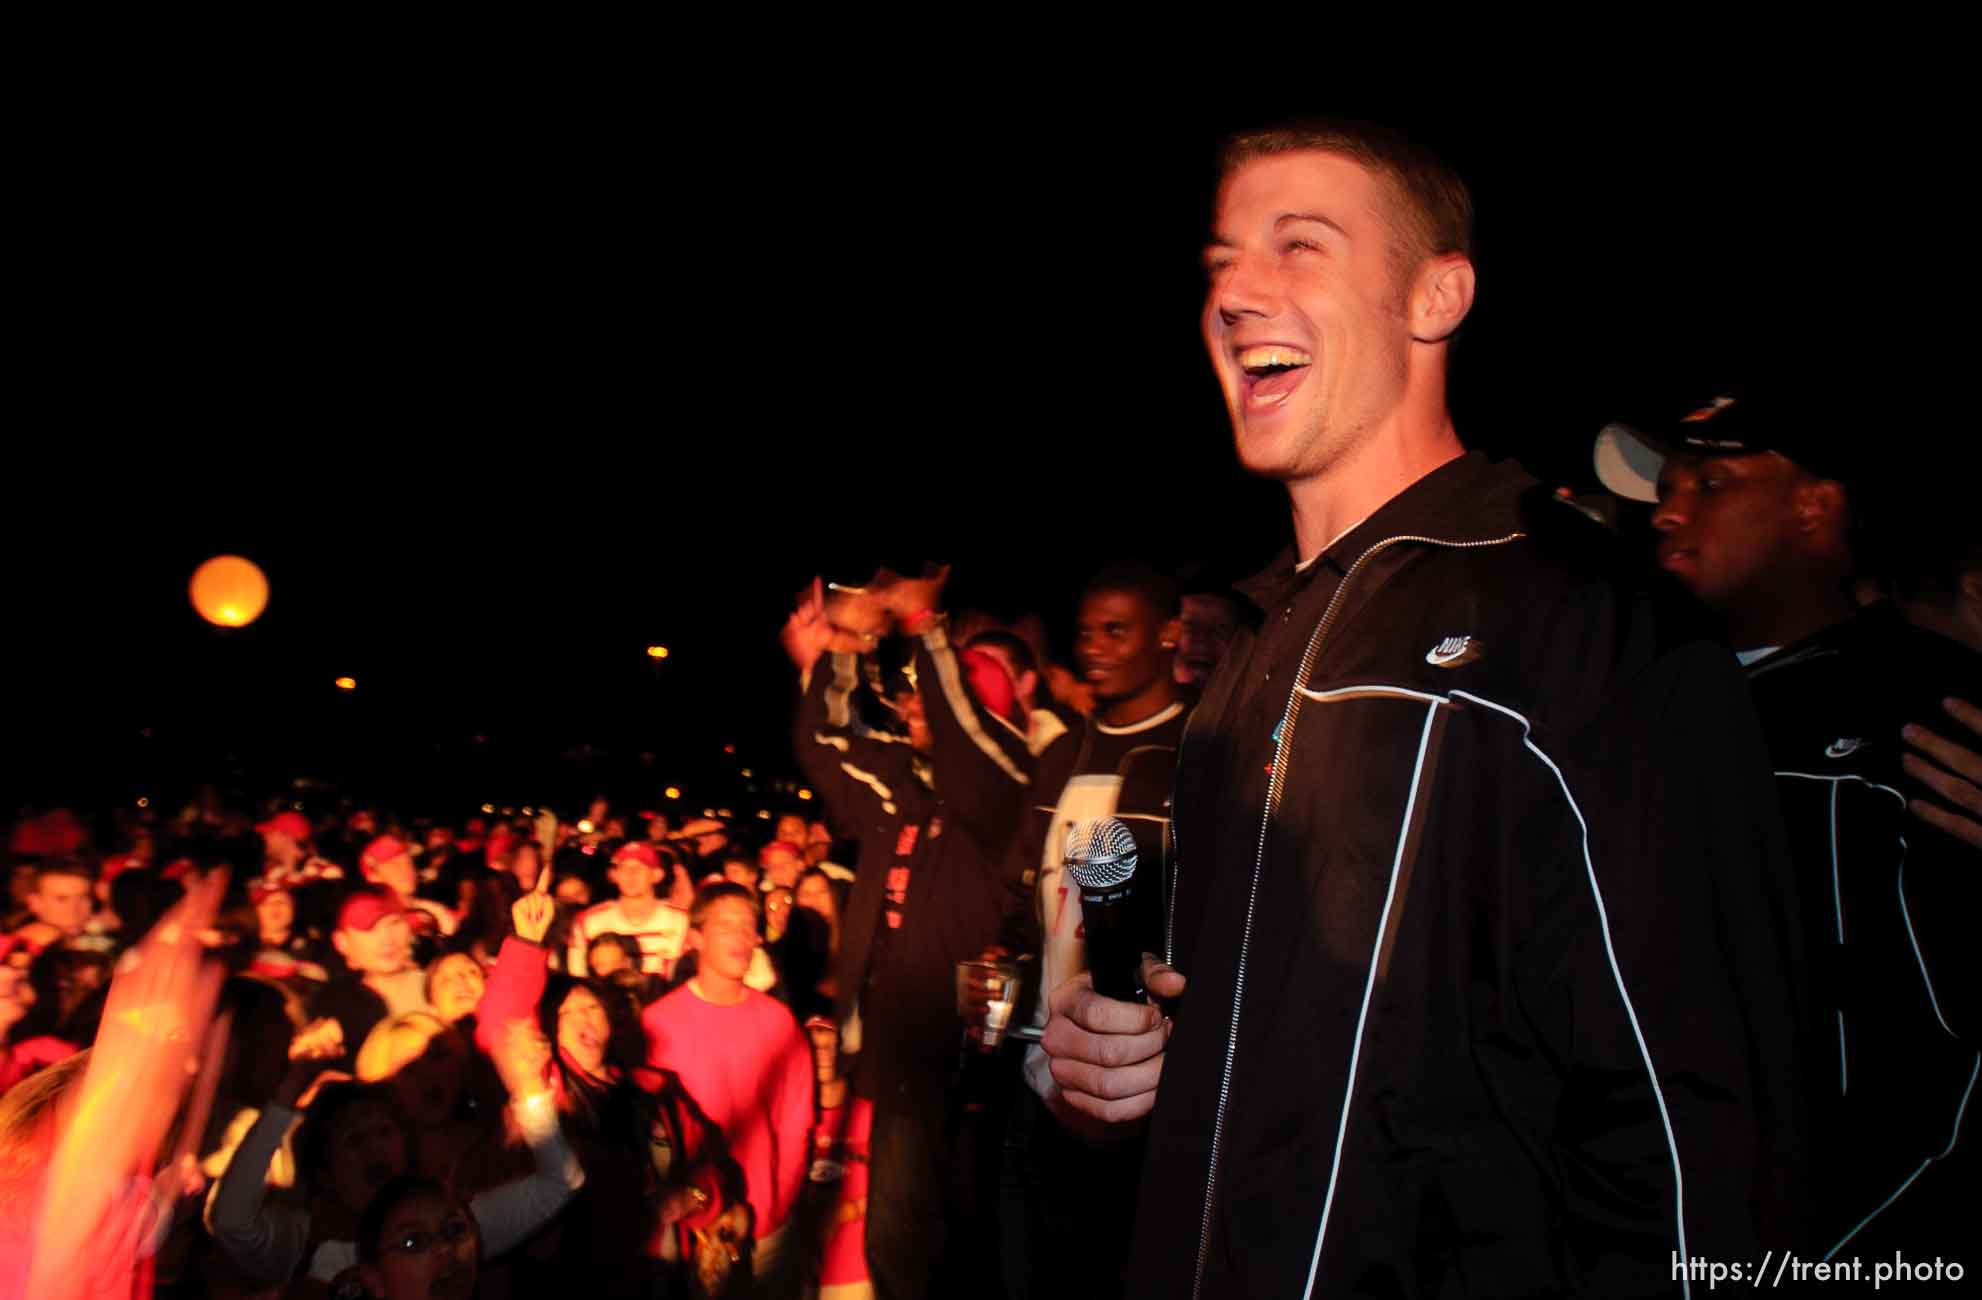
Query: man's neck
(1330,504)
(716,990)
(1792,615)
(638,907)
(1141,706)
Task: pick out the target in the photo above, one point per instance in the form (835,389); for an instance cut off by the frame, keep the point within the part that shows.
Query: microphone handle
(1114,950)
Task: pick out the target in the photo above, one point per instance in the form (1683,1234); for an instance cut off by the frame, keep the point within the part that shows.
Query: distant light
(657,652)
(228,591)
(529,812)
(729,749)
(509,812)
(722,812)
(144,803)
(805,794)
(488,807)
(347,683)
(763,814)
(585,826)
(708,812)
(747,774)
(672,792)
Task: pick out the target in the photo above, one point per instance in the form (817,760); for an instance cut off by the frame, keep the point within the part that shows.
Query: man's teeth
(1269,356)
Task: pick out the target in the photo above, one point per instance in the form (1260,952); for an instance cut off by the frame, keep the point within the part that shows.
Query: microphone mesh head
(1100,854)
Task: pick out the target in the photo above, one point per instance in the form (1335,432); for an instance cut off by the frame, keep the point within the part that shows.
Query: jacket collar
(1467,499)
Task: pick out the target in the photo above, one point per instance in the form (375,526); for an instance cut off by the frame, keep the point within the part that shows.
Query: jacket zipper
(1283,740)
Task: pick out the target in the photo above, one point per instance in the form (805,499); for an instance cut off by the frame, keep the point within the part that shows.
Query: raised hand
(533,913)
(808,633)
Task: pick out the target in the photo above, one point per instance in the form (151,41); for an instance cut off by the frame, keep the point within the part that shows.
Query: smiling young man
(1119,763)
(1483,942)
(743,1059)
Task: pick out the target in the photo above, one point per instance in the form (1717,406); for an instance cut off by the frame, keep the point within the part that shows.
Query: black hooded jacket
(1492,945)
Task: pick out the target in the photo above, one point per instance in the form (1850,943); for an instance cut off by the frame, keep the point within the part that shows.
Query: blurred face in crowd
(455,986)
(634,878)
(1209,624)
(428,1249)
(909,705)
(367,1150)
(276,914)
(741,871)
(727,937)
(62,901)
(790,828)
(439,837)
(16,996)
(777,912)
(782,864)
(713,842)
(1118,646)
(605,958)
(814,894)
(395,873)
(1727,525)
(818,843)
(281,848)
(573,890)
(385,949)
(1306,317)
(583,1030)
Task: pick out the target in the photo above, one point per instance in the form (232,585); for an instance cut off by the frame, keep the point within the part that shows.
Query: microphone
(1101,859)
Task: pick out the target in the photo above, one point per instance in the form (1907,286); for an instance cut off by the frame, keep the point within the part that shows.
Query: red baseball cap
(367,908)
(383,849)
(643,853)
(991,683)
(293,824)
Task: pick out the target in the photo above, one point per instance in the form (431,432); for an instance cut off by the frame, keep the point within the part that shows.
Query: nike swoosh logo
(1843,747)
(1453,651)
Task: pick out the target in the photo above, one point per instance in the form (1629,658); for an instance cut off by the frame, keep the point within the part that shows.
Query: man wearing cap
(660,930)
(286,849)
(388,864)
(1754,504)
(375,940)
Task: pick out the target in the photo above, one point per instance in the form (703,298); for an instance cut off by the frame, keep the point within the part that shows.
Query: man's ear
(1819,505)
(694,943)
(339,942)
(1441,297)
(1171,634)
(1029,685)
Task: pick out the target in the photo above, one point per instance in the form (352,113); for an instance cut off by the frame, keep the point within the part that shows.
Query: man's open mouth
(1272,370)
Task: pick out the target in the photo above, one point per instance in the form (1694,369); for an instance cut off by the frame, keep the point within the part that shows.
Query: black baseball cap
(1733,422)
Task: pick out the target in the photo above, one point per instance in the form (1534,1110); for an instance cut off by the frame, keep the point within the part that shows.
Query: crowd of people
(1520,917)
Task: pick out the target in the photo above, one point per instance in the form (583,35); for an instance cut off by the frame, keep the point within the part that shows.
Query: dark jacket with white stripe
(963,803)
(1492,945)
(1892,906)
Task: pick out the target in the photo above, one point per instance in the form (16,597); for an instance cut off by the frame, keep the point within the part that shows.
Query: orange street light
(657,652)
(347,683)
(804,794)
(672,792)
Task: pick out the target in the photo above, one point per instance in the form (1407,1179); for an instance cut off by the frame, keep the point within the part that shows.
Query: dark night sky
(499,398)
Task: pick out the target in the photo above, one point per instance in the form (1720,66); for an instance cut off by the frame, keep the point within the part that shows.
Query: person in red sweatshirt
(746,1063)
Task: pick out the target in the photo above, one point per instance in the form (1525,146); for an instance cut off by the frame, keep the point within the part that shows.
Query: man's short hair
(1431,208)
(709,895)
(1154,589)
(61,867)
